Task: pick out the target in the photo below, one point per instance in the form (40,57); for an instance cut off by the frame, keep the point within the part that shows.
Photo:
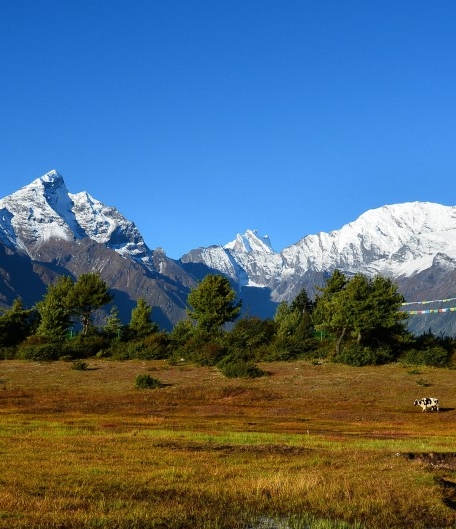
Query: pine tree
(55,316)
(113,327)
(88,294)
(302,302)
(141,324)
(15,324)
(287,320)
(364,310)
(213,303)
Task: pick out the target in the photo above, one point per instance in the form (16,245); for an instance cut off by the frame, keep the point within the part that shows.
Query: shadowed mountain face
(46,231)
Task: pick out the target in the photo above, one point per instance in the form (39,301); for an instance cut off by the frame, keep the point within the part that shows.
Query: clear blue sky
(201,119)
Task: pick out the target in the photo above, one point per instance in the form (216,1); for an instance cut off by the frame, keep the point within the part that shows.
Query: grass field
(307,446)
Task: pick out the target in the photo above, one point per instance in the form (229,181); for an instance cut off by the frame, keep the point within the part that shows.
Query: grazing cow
(428,404)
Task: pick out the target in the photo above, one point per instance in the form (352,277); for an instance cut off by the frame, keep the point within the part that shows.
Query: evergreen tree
(113,327)
(88,294)
(213,303)
(182,332)
(302,303)
(364,310)
(54,314)
(287,320)
(141,324)
(15,324)
(295,319)
(325,312)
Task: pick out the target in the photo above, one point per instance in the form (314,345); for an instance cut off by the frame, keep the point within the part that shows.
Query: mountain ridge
(61,232)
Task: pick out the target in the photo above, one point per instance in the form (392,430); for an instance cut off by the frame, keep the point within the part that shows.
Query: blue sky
(201,119)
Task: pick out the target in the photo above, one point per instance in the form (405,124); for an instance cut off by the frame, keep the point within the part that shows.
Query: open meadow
(307,446)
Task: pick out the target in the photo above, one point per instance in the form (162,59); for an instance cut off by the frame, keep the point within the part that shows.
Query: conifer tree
(113,327)
(54,314)
(302,302)
(213,303)
(88,294)
(141,324)
(15,324)
(287,320)
(362,309)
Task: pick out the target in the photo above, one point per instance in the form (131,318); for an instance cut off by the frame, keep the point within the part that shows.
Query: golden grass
(308,445)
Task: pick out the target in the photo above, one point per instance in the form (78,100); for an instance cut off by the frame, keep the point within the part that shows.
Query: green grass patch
(290,449)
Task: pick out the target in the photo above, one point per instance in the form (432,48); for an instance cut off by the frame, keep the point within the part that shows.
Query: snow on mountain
(249,260)
(45,210)
(397,240)
(414,243)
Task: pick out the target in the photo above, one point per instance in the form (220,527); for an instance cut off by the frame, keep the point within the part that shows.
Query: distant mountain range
(46,231)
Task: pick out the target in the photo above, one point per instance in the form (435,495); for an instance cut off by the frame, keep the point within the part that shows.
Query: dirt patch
(444,465)
(231,449)
(436,460)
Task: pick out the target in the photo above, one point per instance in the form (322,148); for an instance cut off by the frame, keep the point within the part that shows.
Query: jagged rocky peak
(52,177)
(45,210)
(40,211)
(250,242)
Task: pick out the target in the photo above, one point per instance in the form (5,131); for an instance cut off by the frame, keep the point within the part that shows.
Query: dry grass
(85,449)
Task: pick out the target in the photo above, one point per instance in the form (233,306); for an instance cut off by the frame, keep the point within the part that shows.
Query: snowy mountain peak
(45,210)
(399,240)
(51,176)
(250,242)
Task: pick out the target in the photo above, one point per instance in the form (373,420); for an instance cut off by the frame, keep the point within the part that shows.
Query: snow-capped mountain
(45,231)
(45,210)
(413,243)
(397,241)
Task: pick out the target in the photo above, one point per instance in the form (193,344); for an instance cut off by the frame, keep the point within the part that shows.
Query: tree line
(356,321)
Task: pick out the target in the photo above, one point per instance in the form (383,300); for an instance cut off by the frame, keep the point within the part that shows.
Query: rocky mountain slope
(45,231)
(50,231)
(414,243)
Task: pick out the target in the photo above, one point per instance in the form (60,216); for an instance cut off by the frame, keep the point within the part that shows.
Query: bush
(152,347)
(147,382)
(79,365)
(234,367)
(8,353)
(358,355)
(204,353)
(251,332)
(156,346)
(40,353)
(290,348)
(177,357)
(84,346)
(433,356)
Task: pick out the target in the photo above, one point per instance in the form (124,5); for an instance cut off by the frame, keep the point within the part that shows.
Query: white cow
(428,404)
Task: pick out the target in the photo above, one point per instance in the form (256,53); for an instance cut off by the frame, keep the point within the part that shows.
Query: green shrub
(152,347)
(358,355)
(177,357)
(250,332)
(79,365)
(290,348)
(40,353)
(436,356)
(156,346)
(8,353)
(104,353)
(85,346)
(205,354)
(234,367)
(147,382)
